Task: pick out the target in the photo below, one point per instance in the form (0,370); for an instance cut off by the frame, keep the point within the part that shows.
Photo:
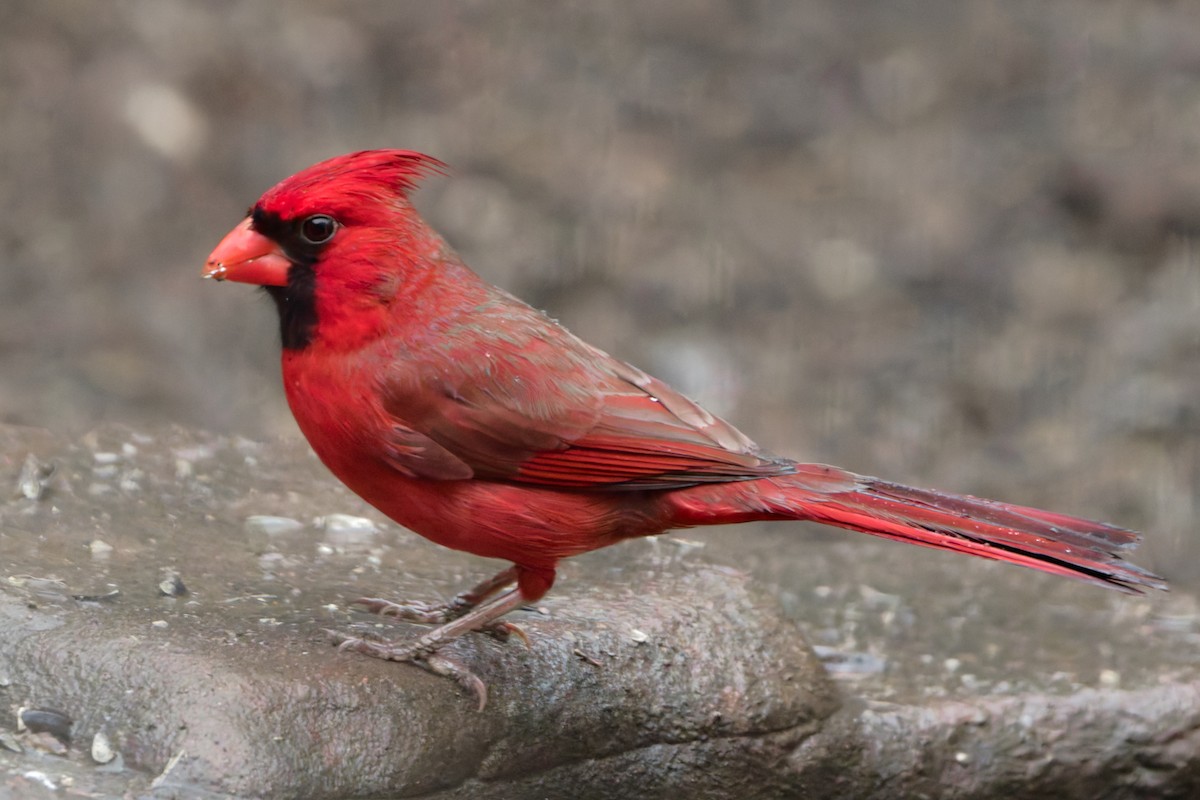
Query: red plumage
(473,419)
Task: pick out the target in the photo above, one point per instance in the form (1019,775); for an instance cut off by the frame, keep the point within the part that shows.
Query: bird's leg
(422,651)
(439,613)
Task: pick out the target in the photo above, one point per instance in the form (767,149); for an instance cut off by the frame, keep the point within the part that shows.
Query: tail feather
(1046,541)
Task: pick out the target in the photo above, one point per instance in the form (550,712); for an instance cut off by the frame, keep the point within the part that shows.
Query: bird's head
(332,238)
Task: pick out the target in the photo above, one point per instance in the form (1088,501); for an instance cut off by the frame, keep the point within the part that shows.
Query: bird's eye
(318,229)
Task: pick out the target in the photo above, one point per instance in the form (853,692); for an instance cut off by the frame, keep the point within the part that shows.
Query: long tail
(1054,543)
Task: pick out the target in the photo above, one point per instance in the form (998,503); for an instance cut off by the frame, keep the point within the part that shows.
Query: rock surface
(236,682)
(654,671)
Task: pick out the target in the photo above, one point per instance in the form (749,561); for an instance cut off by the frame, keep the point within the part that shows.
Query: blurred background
(950,242)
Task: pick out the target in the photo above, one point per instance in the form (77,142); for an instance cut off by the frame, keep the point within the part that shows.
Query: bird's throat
(297,306)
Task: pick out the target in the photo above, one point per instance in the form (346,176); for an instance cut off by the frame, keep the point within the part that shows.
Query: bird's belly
(528,526)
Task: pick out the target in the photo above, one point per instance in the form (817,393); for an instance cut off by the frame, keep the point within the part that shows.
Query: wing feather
(541,407)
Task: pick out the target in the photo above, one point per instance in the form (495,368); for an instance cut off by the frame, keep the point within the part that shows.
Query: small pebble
(345,523)
(33,478)
(45,720)
(100,548)
(159,623)
(270,525)
(172,585)
(102,751)
(638,636)
(37,776)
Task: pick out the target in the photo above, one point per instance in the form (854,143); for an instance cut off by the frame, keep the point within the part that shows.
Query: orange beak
(246,256)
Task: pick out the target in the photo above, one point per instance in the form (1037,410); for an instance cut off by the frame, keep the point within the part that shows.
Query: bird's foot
(419,653)
(440,613)
(414,610)
(423,651)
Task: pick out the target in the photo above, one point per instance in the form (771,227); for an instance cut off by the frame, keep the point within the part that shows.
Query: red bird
(482,424)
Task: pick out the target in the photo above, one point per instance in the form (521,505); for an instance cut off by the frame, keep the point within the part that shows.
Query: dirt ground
(948,242)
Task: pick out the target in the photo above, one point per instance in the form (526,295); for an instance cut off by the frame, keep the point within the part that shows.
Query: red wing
(559,413)
(650,436)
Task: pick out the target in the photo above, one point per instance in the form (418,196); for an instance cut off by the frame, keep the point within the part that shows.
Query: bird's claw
(448,668)
(503,631)
(422,655)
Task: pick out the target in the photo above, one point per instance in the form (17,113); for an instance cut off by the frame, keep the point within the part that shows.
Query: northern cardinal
(480,423)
